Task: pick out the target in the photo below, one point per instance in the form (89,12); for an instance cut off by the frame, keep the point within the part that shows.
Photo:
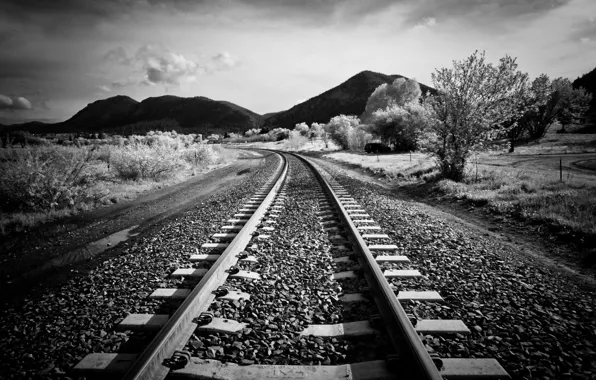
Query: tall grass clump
(160,155)
(45,178)
(138,161)
(563,206)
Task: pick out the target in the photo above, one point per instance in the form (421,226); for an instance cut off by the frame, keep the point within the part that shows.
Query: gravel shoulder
(49,332)
(524,308)
(530,240)
(55,252)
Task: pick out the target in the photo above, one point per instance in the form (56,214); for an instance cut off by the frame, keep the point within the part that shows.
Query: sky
(265,55)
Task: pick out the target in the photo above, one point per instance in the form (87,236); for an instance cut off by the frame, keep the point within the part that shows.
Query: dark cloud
(29,68)
(14,103)
(480,11)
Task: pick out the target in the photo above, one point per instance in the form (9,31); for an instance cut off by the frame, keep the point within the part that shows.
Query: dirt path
(526,239)
(56,251)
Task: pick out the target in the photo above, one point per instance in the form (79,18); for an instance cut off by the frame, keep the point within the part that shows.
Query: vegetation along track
(301,290)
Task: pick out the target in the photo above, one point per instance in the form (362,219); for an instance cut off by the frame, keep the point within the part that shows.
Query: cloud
(585,40)
(225,60)
(482,12)
(426,22)
(14,103)
(105,88)
(161,66)
(117,55)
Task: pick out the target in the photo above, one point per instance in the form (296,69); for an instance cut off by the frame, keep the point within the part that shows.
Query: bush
(41,179)
(140,161)
(296,140)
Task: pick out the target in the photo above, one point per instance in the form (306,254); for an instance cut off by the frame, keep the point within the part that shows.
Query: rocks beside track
(50,333)
(538,324)
(296,289)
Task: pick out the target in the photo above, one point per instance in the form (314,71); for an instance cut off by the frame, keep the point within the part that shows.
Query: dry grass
(45,183)
(563,206)
(519,185)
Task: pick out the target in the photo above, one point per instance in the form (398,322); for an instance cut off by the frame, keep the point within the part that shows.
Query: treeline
(475,104)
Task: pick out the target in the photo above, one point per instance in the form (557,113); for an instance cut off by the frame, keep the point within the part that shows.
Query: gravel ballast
(49,334)
(295,290)
(536,322)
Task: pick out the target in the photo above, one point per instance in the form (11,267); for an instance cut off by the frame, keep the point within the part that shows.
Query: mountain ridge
(200,114)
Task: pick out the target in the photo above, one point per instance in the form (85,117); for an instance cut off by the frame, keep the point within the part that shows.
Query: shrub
(296,140)
(139,161)
(41,179)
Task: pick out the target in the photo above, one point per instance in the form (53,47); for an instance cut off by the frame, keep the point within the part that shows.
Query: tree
(347,132)
(574,104)
(340,127)
(302,128)
(316,130)
(533,98)
(474,101)
(400,92)
(400,126)
(561,103)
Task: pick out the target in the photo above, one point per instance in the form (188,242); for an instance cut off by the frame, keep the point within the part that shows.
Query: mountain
(102,114)
(349,98)
(198,112)
(120,114)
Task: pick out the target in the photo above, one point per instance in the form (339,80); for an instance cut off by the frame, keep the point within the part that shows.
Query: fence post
(560,169)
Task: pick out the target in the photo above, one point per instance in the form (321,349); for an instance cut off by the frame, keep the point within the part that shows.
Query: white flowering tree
(474,103)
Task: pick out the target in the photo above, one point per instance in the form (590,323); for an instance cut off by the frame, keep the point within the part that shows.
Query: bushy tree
(316,130)
(474,102)
(278,134)
(347,132)
(400,126)
(252,132)
(302,128)
(400,92)
(574,104)
(559,101)
(340,127)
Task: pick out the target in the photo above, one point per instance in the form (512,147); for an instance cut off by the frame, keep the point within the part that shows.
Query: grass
(40,184)
(566,208)
(516,185)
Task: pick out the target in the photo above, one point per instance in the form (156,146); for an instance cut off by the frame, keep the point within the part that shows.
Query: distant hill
(348,98)
(102,114)
(122,113)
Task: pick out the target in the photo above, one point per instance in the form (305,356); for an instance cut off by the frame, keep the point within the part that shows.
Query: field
(42,183)
(550,183)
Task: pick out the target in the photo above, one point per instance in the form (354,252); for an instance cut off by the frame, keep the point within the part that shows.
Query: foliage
(253,131)
(302,128)
(340,128)
(278,134)
(316,130)
(214,137)
(557,101)
(474,102)
(296,140)
(400,126)
(400,92)
(43,179)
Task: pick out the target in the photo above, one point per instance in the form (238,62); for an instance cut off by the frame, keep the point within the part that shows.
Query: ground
(56,251)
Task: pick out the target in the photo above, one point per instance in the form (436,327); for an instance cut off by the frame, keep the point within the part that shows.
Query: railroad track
(353,267)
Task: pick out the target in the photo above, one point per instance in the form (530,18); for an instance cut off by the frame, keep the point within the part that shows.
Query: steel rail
(396,321)
(180,327)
